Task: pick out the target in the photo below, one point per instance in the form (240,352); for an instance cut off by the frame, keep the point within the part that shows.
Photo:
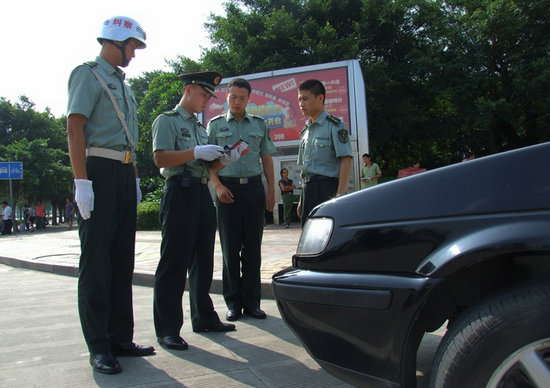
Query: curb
(141,278)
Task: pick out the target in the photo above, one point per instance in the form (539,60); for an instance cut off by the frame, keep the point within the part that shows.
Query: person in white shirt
(6,218)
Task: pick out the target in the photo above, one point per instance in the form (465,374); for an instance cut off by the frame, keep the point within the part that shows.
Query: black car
(468,244)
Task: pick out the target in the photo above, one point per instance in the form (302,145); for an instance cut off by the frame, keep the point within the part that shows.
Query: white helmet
(120,28)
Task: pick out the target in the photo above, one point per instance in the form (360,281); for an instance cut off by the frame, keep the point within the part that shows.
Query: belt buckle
(204,180)
(127,157)
(243,181)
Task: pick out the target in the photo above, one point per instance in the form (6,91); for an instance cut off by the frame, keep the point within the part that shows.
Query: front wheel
(502,341)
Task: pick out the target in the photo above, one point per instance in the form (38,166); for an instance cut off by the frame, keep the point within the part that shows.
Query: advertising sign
(275,98)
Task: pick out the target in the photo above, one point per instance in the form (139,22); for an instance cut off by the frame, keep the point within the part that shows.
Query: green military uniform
(322,143)
(107,238)
(241,223)
(188,222)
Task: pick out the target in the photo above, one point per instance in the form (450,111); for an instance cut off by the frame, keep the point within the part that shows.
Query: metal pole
(11,193)
(14,228)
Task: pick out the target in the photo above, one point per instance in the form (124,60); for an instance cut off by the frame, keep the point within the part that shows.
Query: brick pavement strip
(58,245)
(57,250)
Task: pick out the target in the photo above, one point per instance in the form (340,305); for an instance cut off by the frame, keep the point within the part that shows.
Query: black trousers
(7,227)
(107,242)
(316,192)
(241,226)
(288,203)
(188,220)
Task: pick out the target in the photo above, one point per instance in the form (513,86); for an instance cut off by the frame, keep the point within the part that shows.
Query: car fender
(512,237)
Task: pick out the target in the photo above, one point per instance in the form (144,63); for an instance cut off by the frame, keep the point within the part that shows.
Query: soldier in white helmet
(102,134)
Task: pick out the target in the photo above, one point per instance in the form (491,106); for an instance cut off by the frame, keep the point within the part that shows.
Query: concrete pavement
(57,250)
(41,343)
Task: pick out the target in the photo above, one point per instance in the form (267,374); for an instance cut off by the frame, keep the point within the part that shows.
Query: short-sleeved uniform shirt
(88,98)
(322,143)
(225,130)
(367,172)
(179,130)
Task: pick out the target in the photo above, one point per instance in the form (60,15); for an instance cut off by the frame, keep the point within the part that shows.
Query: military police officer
(102,132)
(325,150)
(241,201)
(187,214)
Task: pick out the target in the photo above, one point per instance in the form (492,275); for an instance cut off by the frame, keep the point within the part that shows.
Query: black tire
(499,337)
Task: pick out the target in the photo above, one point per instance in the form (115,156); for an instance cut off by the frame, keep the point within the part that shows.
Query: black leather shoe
(104,363)
(173,342)
(255,313)
(131,349)
(220,326)
(233,315)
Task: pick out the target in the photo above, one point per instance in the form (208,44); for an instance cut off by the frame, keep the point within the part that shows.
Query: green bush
(148,216)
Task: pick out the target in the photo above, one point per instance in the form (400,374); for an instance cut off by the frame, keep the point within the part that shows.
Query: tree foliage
(442,77)
(38,140)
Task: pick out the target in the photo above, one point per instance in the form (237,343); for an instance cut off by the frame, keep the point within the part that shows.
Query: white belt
(125,157)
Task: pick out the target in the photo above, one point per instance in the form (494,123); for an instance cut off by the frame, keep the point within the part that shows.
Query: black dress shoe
(233,315)
(173,342)
(104,363)
(220,326)
(131,349)
(255,313)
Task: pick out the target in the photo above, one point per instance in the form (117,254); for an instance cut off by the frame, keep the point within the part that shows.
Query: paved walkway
(57,250)
(42,345)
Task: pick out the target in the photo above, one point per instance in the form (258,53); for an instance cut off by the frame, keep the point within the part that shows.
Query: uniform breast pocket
(184,141)
(224,138)
(254,139)
(322,145)
(322,142)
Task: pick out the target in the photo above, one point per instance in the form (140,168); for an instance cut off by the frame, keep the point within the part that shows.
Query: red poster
(276,100)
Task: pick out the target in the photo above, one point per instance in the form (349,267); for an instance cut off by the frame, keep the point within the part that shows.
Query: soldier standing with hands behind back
(102,131)
(187,213)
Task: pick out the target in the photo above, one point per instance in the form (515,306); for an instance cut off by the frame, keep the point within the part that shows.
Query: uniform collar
(110,69)
(229,116)
(183,113)
(320,120)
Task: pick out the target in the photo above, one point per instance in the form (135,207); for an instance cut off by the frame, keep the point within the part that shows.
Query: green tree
(38,140)
(442,76)
(509,41)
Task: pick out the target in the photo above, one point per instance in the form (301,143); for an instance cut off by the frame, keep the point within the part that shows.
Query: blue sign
(11,170)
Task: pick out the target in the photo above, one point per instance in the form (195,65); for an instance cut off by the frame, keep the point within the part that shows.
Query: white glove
(230,156)
(138,191)
(208,152)
(84,197)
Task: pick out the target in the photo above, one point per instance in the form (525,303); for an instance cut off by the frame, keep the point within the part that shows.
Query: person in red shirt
(40,215)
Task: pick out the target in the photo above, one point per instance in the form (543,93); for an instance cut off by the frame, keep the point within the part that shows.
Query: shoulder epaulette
(334,119)
(257,117)
(171,113)
(91,63)
(217,117)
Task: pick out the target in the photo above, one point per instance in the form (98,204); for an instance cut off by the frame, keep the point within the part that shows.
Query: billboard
(275,98)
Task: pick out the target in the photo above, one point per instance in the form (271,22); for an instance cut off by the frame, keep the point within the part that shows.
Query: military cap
(208,80)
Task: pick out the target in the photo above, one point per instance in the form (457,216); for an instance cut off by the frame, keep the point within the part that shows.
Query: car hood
(511,181)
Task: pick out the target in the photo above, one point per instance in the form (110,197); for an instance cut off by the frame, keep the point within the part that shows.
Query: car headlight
(315,236)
